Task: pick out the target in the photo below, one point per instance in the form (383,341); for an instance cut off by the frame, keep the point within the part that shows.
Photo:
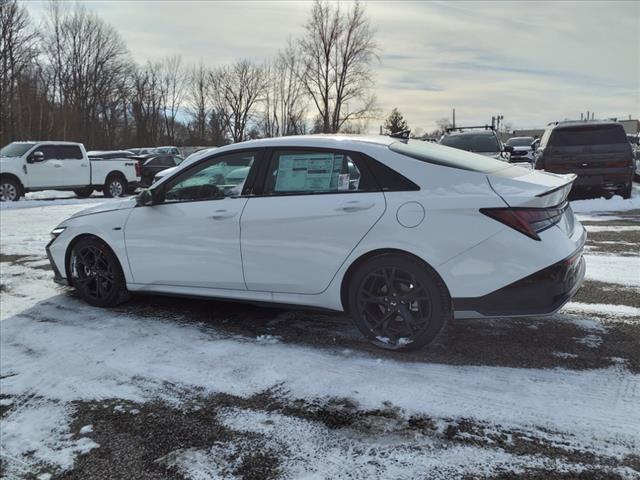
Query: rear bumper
(541,293)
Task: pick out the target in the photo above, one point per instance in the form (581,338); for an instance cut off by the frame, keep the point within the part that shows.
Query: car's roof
(582,123)
(472,132)
(344,142)
(57,142)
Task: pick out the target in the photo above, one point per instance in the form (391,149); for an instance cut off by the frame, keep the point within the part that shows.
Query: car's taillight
(529,221)
(138,172)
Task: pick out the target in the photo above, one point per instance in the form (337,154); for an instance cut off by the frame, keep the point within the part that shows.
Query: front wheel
(9,190)
(96,273)
(115,187)
(398,302)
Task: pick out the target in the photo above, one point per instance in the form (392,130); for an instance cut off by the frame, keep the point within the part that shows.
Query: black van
(597,151)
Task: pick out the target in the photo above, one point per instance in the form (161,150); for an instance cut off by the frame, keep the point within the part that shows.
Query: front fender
(107,226)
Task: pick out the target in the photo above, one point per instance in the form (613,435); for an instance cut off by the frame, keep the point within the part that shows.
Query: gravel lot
(173,388)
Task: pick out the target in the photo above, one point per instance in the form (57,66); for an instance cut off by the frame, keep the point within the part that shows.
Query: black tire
(625,192)
(10,190)
(96,274)
(115,186)
(404,297)
(83,192)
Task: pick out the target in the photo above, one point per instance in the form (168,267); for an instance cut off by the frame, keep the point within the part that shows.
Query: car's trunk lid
(520,187)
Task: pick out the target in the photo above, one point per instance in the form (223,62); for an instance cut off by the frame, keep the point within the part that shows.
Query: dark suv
(597,151)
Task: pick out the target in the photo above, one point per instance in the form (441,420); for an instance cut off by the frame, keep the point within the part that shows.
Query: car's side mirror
(144,198)
(534,145)
(35,157)
(508,148)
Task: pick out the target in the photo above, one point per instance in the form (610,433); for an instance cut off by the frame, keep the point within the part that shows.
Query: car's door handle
(222,214)
(355,206)
(57,165)
(83,165)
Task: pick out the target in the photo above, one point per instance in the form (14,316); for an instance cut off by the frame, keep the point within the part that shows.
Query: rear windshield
(15,149)
(448,157)
(520,141)
(587,135)
(472,142)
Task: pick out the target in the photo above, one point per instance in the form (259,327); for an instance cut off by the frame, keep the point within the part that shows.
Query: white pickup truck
(32,166)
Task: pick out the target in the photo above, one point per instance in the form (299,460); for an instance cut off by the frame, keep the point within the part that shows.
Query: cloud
(532,62)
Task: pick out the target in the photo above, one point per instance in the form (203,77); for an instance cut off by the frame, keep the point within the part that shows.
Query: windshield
(449,157)
(472,142)
(584,135)
(520,141)
(15,149)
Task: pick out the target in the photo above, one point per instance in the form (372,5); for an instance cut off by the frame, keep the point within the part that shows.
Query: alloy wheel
(8,192)
(93,272)
(394,306)
(116,188)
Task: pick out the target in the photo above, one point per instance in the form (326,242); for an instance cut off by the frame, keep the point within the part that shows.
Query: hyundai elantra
(402,235)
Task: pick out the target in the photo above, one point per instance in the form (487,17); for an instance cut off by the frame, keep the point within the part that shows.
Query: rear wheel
(83,192)
(115,186)
(398,303)
(96,273)
(625,192)
(10,190)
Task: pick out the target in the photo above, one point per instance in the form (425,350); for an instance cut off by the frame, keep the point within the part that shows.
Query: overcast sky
(533,62)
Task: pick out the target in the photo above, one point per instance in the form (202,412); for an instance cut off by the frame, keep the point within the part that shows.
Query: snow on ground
(614,204)
(56,350)
(613,269)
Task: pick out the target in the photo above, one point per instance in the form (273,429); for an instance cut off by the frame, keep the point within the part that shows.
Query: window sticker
(310,172)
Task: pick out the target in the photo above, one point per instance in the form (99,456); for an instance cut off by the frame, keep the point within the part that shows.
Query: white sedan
(402,235)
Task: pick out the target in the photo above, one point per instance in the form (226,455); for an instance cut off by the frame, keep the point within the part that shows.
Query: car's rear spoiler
(536,189)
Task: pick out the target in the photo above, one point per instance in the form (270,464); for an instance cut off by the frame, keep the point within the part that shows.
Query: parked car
(32,166)
(482,140)
(597,151)
(153,164)
(523,148)
(109,154)
(194,156)
(167,150)
(141,151)
(427,232)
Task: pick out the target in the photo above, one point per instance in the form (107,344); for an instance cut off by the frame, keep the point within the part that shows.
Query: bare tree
(236,91)
(173,84)
(88,60)
(337,52)
(17,52)
(199,103)
(284,104)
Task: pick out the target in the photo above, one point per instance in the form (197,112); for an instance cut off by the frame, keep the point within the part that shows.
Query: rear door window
(585,135)
(309,172)
(69,152)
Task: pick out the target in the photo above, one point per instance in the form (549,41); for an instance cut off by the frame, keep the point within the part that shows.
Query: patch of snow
(86,429)
(613,204)
(611,228)
(314,451)
(564,355)
(591,341)
(603,309)
(613,269)
(268,339)
(40,434)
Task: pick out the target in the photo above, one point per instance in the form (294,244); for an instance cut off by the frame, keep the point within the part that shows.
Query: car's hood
(125,203)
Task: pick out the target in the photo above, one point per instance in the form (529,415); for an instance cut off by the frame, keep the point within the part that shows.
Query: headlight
(55,233)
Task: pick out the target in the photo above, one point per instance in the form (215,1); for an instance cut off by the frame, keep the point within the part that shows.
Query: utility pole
(454,118)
